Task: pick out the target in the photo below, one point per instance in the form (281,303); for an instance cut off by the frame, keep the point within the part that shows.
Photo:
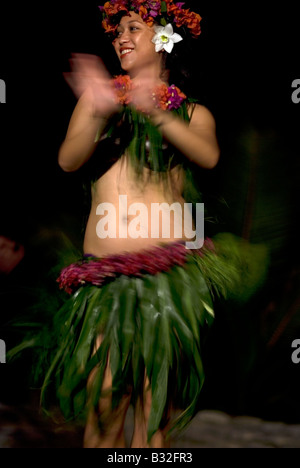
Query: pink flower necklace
(165,97)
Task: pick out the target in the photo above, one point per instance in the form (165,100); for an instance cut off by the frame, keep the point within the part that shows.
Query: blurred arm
(79,143)
(93,87)
(196,140)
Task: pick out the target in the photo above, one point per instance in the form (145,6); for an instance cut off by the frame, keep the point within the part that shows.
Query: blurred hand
(142,95)
(89,76)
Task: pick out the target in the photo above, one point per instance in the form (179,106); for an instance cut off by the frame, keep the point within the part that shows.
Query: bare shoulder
(201,116)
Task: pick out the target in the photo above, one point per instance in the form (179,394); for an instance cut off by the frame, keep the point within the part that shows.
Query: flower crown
(159,11)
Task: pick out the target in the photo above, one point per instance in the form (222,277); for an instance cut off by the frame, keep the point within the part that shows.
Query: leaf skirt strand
(150,322)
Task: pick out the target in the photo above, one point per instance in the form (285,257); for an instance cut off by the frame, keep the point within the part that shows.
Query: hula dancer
(141,296)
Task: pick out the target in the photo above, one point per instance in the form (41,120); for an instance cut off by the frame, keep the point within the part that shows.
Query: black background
(248,57)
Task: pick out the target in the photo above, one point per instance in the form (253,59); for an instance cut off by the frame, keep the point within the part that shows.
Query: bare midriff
(129,228)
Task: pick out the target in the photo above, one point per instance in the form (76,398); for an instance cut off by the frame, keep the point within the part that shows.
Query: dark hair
(180,63)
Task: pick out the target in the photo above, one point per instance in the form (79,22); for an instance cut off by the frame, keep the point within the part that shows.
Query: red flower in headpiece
(113,7)
(151,11)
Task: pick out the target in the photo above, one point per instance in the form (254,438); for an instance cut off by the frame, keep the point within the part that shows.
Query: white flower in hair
(165,38)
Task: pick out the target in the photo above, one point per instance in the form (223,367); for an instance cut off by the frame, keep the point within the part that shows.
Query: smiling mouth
(125,52)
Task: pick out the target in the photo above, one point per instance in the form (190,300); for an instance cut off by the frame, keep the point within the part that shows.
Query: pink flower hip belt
(98,271)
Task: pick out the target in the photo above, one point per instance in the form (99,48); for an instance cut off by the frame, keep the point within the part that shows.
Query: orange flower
(160,96)
(193,23)
(143,11)
(109,28)
(185,17)
(180,93)
(123,86)
(111,10)
(149,21)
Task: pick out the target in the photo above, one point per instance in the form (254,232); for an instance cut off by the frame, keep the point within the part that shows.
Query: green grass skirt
(154,324)
(150,324)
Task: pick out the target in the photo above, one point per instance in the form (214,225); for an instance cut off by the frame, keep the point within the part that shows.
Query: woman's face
(134,46)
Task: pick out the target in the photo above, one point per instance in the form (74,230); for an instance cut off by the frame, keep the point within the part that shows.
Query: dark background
(248,57)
